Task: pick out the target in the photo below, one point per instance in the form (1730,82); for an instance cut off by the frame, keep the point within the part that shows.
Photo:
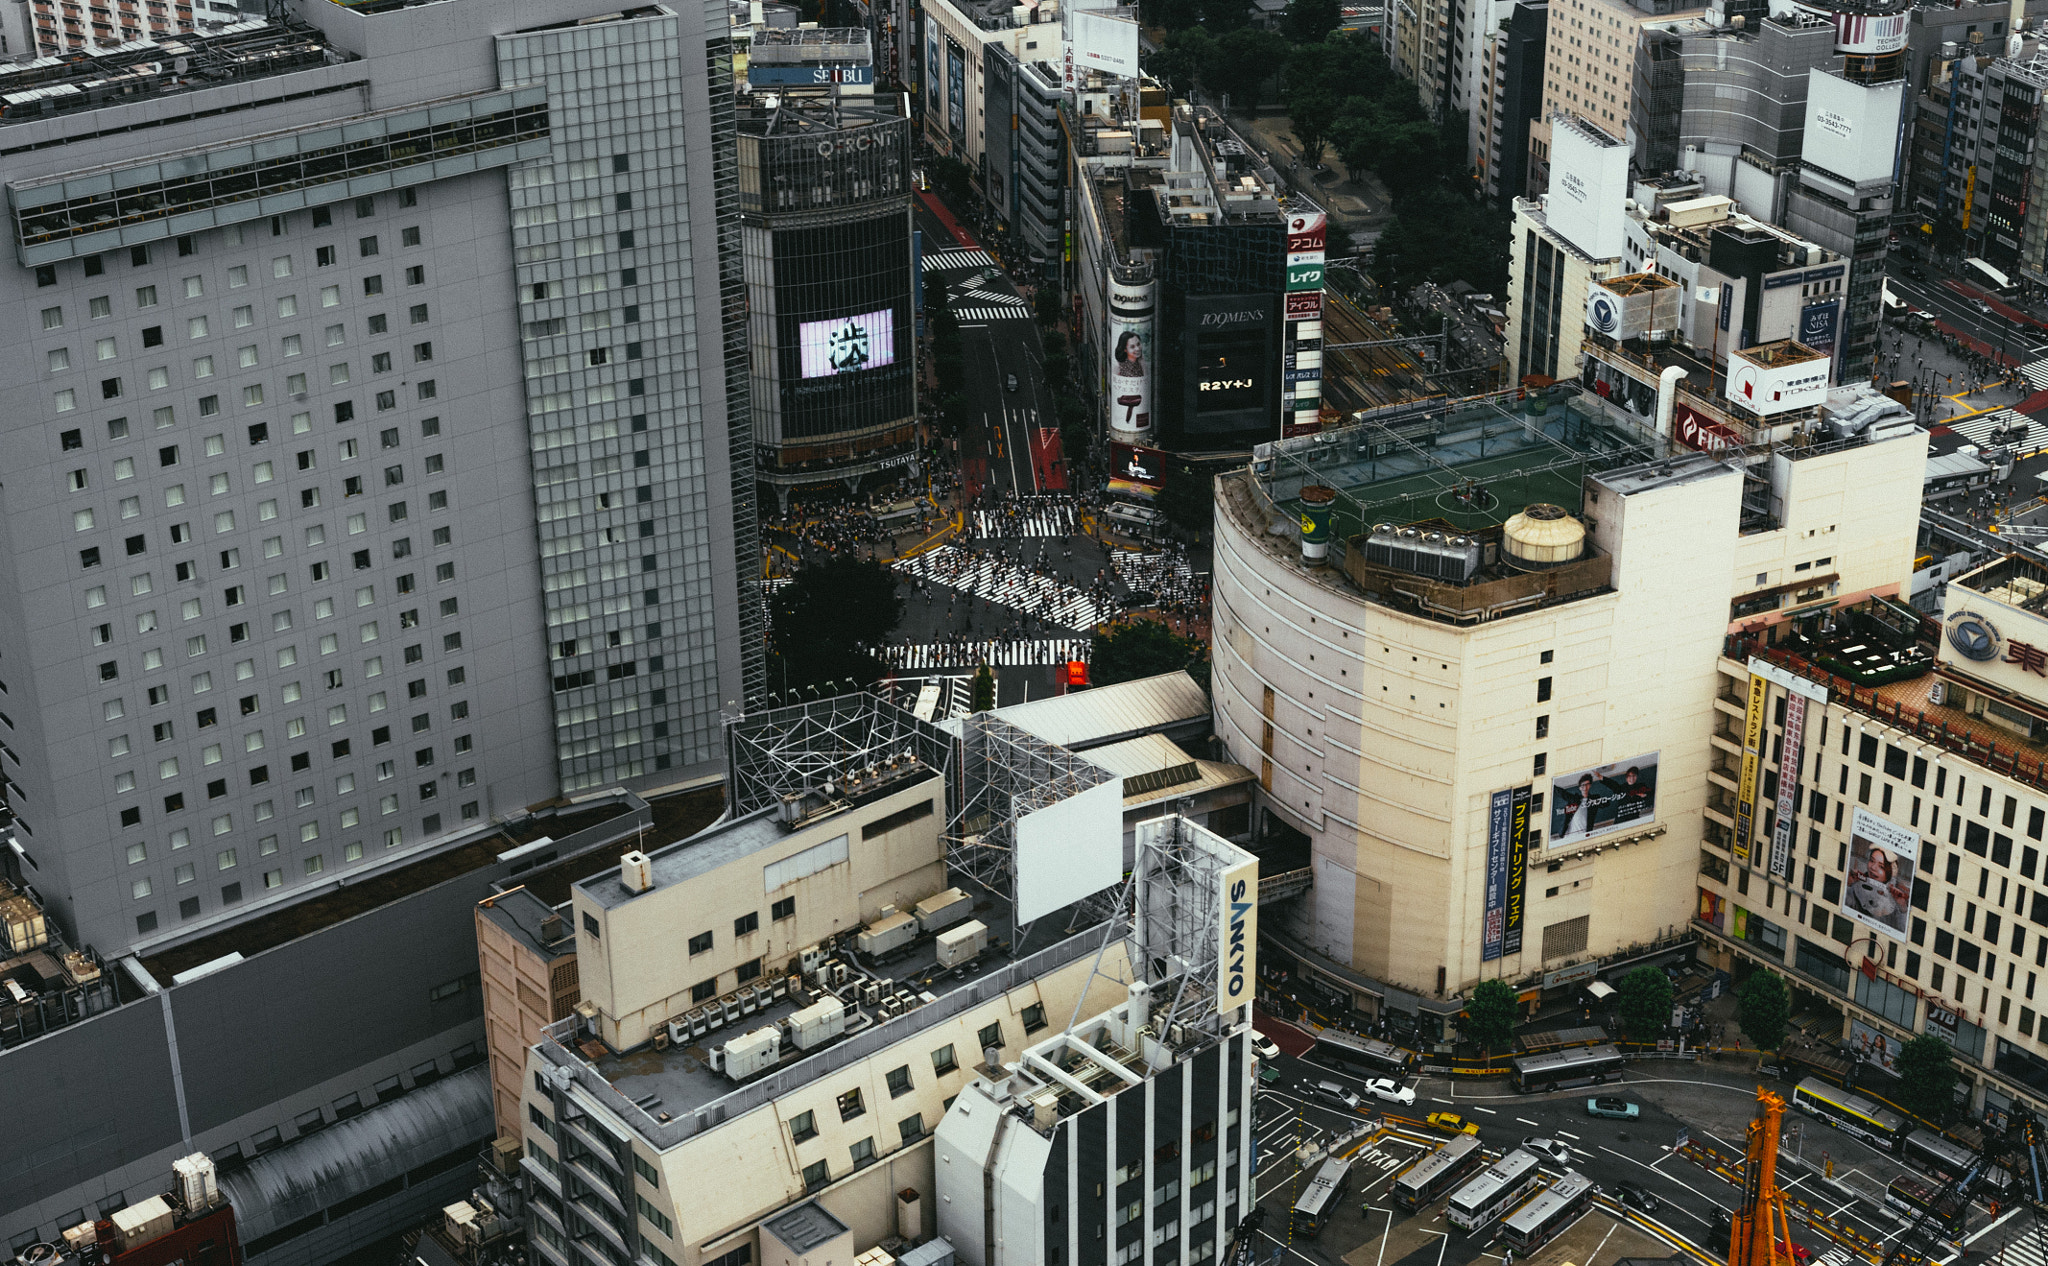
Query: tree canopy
(826,621)
(1764,1009)
(1644,1001)
(1139,648)
(1927,1076)
(1490,1014)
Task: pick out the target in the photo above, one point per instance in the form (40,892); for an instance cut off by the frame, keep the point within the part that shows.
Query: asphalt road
(1957,310)
(1711,1103)
(999,338)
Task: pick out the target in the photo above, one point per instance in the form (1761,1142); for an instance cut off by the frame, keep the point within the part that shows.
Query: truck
(962,944)
(939,912)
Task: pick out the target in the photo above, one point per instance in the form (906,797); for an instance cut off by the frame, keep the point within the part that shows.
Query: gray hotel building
(376,460)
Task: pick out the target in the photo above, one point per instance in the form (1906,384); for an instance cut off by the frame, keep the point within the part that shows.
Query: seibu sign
(1698,431)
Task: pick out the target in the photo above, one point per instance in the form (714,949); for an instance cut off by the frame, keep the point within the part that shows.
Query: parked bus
(1361,1054)
(1483,1201)
(1947,1160)
(1852,1114)
(1582,1066)
(1437,1172)
(1319,1203)
(1985,277)
(1910,1198)
(1538,1222)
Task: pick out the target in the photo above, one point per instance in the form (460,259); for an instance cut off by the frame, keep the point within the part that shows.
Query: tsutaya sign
(1237,937)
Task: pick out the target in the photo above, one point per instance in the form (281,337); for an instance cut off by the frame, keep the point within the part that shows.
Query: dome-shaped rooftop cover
(1543,535)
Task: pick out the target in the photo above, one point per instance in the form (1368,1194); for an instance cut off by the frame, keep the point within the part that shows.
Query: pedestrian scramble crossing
(944,261)
(992,314)
(995,297)
(2036,373)
(1052,520)
(997,580)
(1022,652)
(1978,430)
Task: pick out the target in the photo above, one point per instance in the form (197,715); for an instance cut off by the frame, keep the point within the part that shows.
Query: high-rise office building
(380,462)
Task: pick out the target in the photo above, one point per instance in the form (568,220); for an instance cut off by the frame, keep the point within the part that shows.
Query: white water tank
(1542,536)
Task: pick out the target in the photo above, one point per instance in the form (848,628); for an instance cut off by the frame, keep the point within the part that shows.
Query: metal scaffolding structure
(1177,902)
(1006,773)
(808,747)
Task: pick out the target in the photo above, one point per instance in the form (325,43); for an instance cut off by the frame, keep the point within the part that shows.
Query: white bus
(1987,277)
(1482,1202)
(1852,1114)
(1539,1221)
(1435,1173)
(1318,1204)
(1580,1066)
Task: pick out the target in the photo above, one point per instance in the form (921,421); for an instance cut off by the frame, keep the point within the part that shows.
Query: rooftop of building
(1453,474)
(775,111)
(1591,132)
(671,1094)
(1155,769)
(1004,15)
(1170,703)
(2015,580)
(804,1228)
(522,915)
(728,841)
(148,69)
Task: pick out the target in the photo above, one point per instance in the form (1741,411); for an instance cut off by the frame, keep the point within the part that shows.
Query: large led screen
(846,344)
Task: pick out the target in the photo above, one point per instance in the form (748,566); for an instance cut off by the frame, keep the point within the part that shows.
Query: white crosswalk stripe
(991,296)
(1027,652)
(2036,373)
(943,261)
(2020,1245)
(956,692)
(1165,575)
(1052,520)
(992,314)
(999,581)
(1978,430)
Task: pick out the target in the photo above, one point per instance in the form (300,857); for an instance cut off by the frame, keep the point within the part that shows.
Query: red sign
(1306,231)
(1697,430)
(1305,305)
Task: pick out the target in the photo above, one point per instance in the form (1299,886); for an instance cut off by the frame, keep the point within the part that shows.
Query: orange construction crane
(1760,1235)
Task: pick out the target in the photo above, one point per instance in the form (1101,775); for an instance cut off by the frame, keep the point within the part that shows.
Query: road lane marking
(1527,1121)
(1563,1134)
(1488,1111)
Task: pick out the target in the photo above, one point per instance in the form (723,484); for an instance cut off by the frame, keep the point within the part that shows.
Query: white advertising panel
(1850,126)
(1070,850)
(846,344)
(1882,856)
(1772,389)
(1588,184)
(1237,937)
(1104,42)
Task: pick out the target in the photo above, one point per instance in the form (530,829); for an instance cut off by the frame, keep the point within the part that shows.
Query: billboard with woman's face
(1131,326)
(1879,891)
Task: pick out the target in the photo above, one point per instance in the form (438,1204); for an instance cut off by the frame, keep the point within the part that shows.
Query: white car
(1551,1149)
(1387,1090)
(1263,1047)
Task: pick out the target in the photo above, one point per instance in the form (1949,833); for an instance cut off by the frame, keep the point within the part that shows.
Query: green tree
(1183,57)
(1245,58)
(1313,111)
(1138,648)
(1056,368)
(1927,1078)
(1179,15)
(984,689)
(1053,343)
(1644,1000)
(1764,1009)
(827,621)
(1490,1014)
(1187,499)
(1311,21)
(1048,305)
(1225,16)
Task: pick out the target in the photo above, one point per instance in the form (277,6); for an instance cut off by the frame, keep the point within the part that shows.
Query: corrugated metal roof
(1109,714)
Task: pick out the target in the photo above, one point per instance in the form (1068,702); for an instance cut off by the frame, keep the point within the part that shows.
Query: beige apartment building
(526,953)
(1484,708)
(1589,70)
(1937,764)
(745,1044)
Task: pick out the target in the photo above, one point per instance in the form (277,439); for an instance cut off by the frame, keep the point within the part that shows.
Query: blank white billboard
(1851,127)
(1104,42)
(1070,850)
(1588,185)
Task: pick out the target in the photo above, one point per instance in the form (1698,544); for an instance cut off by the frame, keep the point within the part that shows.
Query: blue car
(1615,1109)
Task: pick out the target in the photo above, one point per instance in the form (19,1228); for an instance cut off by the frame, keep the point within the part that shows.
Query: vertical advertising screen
(1132,349)
(847,345)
